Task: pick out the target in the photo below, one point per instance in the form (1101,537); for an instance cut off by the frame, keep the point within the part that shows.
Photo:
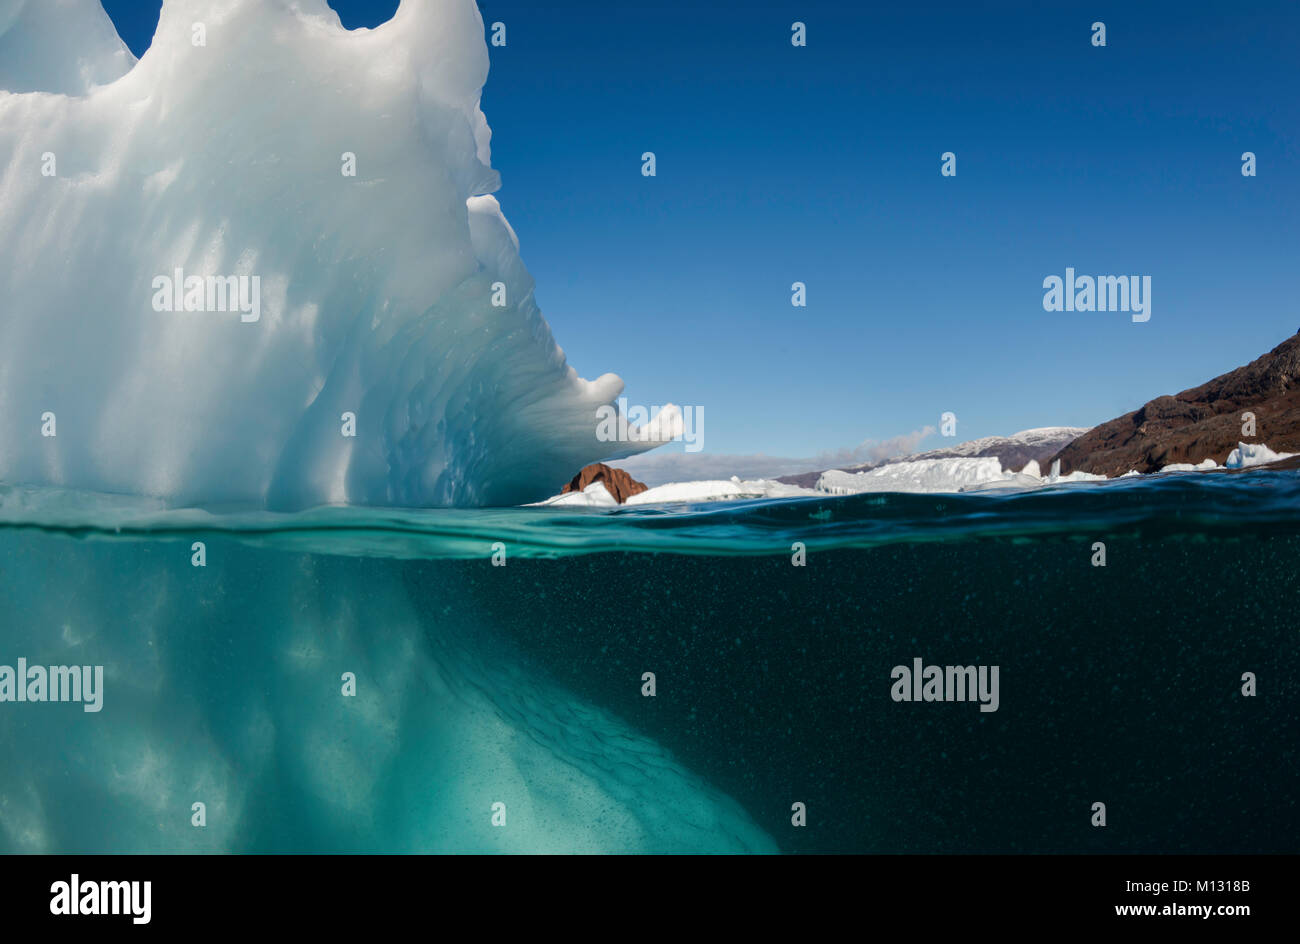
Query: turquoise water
(523,684)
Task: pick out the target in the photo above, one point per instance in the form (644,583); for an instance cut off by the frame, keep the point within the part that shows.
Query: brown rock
(617,482)
(1201,423)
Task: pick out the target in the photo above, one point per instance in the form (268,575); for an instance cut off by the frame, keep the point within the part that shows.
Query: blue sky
(821,164)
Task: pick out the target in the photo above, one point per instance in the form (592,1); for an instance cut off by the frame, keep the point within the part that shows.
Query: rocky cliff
(1205,422)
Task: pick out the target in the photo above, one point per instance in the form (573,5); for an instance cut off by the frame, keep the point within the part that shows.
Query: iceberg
(398,355)
(204,305)
(929,476)
(1245,456)
(224,686)
(1249,455)
(920,475)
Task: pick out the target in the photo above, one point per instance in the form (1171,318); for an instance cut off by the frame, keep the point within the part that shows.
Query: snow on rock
(616,482)
(1049,437)
(372,296)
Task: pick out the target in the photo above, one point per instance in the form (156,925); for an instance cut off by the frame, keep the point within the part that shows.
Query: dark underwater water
(522,684)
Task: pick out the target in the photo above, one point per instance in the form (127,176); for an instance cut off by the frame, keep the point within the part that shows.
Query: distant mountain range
(1258,403)
(1014,452)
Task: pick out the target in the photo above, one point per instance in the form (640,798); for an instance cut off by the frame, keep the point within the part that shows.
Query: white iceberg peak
(399,356)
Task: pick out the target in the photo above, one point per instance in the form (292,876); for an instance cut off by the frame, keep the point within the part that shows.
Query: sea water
(681,678)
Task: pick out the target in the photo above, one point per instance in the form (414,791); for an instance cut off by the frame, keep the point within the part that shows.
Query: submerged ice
(224,686)
(398,355)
